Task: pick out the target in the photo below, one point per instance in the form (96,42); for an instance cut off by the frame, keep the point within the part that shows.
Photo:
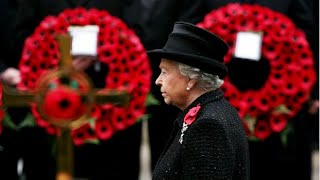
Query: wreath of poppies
(292,74)
(118,47)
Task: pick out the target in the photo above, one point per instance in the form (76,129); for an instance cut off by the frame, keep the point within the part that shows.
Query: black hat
(194,46)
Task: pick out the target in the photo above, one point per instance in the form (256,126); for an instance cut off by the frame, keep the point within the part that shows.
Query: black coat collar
(78,2)
(177,125)
(202,100)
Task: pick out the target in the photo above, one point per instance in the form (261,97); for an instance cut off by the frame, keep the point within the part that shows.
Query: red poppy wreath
(118,48)
(291,77)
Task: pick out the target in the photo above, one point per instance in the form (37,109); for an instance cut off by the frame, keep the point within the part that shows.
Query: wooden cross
(13,98)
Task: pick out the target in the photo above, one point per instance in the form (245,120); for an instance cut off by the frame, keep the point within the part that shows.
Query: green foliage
(285,133)
(28,121)
(151,100)
(281,109)
(143,118)
(250,121)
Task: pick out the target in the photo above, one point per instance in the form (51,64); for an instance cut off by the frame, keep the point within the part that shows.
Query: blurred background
(273,82)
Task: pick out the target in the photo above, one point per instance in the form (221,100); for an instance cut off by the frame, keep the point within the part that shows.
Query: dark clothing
(31,145)
(8,9)
(214,146)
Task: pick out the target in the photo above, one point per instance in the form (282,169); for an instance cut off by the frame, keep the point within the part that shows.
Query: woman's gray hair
(206,81)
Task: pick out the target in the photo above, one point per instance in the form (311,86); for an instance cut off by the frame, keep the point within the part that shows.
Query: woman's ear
(191,83)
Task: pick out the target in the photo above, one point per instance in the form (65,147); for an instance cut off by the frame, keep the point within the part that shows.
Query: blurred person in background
(271,159)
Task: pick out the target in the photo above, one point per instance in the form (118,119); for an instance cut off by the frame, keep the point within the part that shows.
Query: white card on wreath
(248,45)
(84,40)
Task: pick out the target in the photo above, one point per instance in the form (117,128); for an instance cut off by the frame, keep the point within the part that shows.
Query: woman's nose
(158,81)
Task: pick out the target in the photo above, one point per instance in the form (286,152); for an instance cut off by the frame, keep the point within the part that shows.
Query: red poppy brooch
(189,118)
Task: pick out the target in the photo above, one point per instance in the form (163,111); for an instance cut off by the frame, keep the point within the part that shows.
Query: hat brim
(203,63)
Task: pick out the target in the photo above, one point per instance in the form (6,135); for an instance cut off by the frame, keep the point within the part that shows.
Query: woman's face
(172,84)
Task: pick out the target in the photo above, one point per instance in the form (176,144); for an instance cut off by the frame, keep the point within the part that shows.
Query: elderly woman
(208,140)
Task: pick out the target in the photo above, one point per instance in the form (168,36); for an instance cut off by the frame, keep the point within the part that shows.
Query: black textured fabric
(214,145)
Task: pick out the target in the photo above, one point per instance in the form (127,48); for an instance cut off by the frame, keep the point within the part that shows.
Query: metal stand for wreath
(64,156)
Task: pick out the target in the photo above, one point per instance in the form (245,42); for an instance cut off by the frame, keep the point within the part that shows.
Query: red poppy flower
(191,115)
(96,112)
(82,134)
(62,103)
(262,130)
(104,130)
(278,122)
(118,118)
(284,46)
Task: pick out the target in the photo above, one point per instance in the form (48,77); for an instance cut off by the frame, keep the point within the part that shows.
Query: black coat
(214,146)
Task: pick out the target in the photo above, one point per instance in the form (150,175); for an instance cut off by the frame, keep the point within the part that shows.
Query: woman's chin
(167,101)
